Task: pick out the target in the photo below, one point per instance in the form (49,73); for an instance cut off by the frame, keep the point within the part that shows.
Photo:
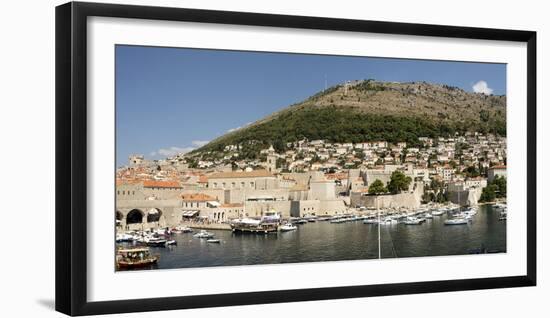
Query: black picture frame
(71,157)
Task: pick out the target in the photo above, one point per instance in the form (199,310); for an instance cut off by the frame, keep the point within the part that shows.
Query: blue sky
(171,99)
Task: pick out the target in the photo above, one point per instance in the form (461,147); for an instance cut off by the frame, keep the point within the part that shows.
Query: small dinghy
(288,227)
(213,241)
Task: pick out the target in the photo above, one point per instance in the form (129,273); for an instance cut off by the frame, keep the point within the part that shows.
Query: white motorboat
(428,215)
(438,212)
(388,221)
(288,227)
(457,221)
(155,241)
(171,242)
(124,237)
(212,240)
(184,229)
(310,218)
(204,234)
(370,221)
(412,220)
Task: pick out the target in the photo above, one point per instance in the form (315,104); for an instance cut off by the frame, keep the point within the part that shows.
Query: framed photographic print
(209,158)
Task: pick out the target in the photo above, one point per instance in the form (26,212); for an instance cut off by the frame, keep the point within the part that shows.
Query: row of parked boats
(162,237)
(457,216)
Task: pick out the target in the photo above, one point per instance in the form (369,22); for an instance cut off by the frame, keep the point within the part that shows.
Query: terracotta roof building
(161,184)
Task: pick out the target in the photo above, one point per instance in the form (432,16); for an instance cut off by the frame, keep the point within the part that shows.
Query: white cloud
(482,87)
(171,151)
(200,143)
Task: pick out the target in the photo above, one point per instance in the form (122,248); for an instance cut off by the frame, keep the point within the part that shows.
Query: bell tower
(271,164)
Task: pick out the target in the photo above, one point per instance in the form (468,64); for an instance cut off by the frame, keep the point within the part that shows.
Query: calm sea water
(433,238)
(323,241)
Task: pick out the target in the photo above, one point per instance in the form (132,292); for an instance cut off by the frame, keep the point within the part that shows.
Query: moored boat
(135,258)
(288,227)
(456,221)
(248,225)
(412,220)
(204,234)
(183,229)
(370,221)
(155,241)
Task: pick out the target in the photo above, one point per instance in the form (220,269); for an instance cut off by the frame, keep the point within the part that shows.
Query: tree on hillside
(500,183)
(488,193)
(471,172)
(279,146)
(377,187)
(399,182)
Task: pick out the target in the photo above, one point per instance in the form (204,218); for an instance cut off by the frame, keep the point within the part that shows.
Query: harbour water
(433,238)
(324,241)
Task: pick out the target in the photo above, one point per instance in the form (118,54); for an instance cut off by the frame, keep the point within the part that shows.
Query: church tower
(271,164)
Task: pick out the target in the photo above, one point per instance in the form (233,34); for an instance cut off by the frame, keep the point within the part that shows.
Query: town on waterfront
(362,169)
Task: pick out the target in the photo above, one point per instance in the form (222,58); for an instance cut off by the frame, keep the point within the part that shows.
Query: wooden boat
(253,226)
(135,258)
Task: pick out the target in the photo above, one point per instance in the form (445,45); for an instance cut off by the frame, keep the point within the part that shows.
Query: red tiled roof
(197,197)
(161,184)
(333,176)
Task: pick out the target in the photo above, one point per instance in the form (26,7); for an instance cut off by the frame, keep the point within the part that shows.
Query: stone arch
(153,215)
(135,216)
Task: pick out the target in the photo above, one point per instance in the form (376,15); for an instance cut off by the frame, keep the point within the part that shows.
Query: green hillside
(369,111)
